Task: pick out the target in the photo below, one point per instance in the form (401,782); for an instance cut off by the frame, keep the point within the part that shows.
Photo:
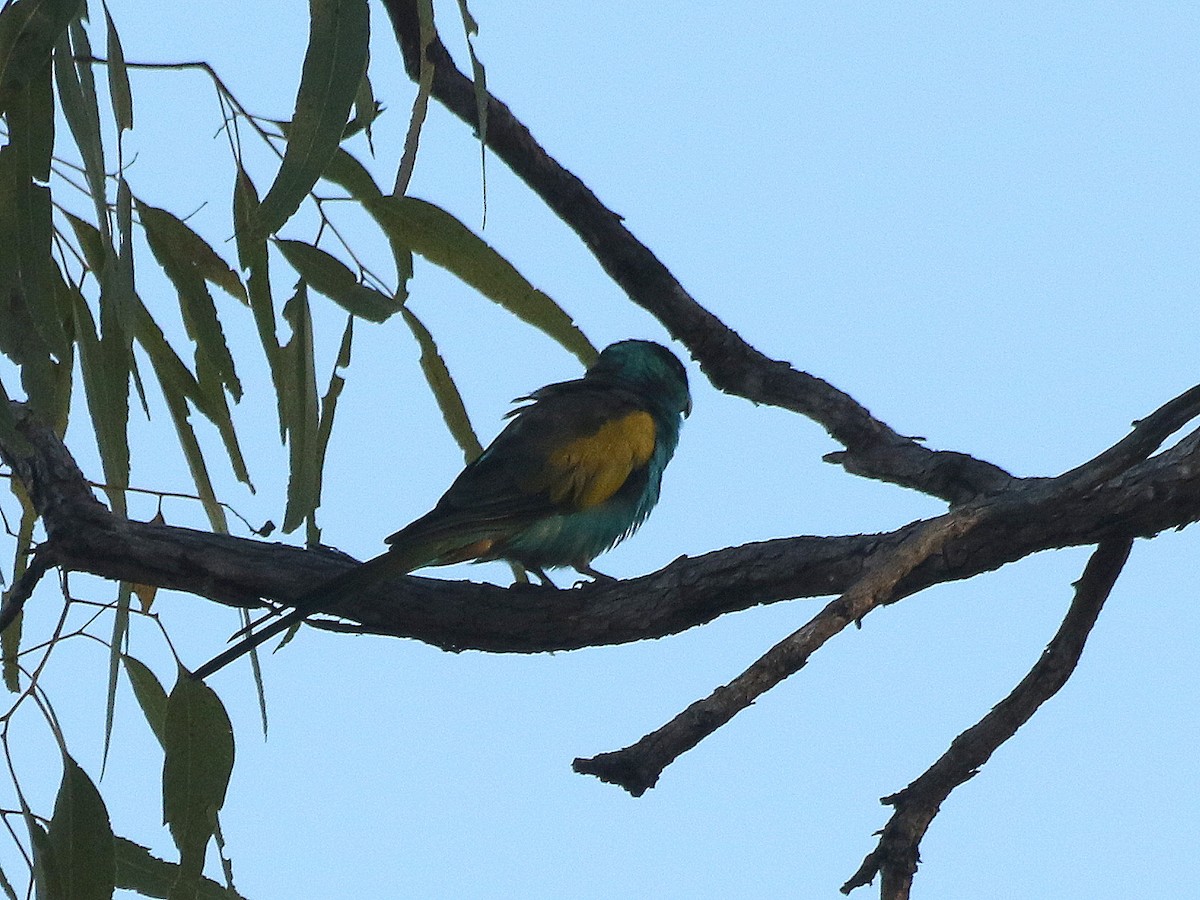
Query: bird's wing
(572,449)
(588,469)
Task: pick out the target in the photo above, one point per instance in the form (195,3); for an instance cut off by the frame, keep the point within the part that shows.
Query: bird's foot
(585,569)
(542,576)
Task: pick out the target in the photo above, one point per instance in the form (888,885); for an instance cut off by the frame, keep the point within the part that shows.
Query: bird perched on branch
(577,470)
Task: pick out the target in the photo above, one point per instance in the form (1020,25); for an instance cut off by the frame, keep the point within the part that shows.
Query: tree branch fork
(1123,493)
(994,518)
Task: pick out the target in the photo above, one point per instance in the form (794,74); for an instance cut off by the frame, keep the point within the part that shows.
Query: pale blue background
(978,219)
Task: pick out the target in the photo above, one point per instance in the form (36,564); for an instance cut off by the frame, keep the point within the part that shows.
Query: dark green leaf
(479,79)
(28,32)
(91,242)
(198,760)
(301,418)
(45,868)
(334,65)
(328,275)
(347,172)
(105,367)
(139,870)
(366,110)
(116,642)
(189,249)
(81,838)
(188,262)
(150,694)
(178,387)
(408,159)
(118,76)
(445,391)
(26,233)
(252,255)
(81,109)
(10,640)
(328,409)
(445,241)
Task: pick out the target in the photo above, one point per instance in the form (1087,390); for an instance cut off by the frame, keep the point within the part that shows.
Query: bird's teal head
(649,368)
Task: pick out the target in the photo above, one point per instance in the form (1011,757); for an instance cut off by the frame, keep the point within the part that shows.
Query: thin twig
(42,561)
(897,855)
(637,767)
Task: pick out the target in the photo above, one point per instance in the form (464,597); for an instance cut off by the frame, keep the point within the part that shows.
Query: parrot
(577,470)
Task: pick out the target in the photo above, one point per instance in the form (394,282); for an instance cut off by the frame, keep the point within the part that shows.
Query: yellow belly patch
(589,470)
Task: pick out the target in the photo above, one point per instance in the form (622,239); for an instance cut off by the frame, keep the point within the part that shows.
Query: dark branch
(897,855)
(873,449)
(636,768)
(43,560)
(1161,493)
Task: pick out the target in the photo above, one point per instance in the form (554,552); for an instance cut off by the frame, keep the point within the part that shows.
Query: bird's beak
(687,410)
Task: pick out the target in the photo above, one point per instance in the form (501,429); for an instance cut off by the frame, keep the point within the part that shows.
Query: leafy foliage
(74,238)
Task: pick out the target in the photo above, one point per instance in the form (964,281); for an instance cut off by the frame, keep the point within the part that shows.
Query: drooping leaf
(150,695)
(45,868)
(139,870)
(301,413)
(253,256)
(445,391)
(34,331)
(119,639)
(28,32)
(347,172)
(366,110)
(328,275)
(179,386)
(408,159)
(26,280)
(325,427)
(445,241)
(334,64)
(105,367)
(198,760)
(91,242)
(189,263)
(479,80)
(10,639)
(118,75)
(185,247)
(81,838)
(81,109)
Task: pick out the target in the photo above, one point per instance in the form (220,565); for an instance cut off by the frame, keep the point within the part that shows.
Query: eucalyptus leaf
(334,65)
(28,32)
(81,838)
(445,241)
(445,391)
(150,695)
(328,275)
(118,76)
(301,413)
(197,763)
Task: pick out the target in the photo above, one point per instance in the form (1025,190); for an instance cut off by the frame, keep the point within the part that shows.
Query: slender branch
(43,560)
(896,856)
(1147,436)
(873,449)
(637,767)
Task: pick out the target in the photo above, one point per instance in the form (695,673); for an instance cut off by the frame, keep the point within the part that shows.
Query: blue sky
(979,220)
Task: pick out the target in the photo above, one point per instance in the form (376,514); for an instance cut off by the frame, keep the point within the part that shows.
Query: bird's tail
(328,597)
